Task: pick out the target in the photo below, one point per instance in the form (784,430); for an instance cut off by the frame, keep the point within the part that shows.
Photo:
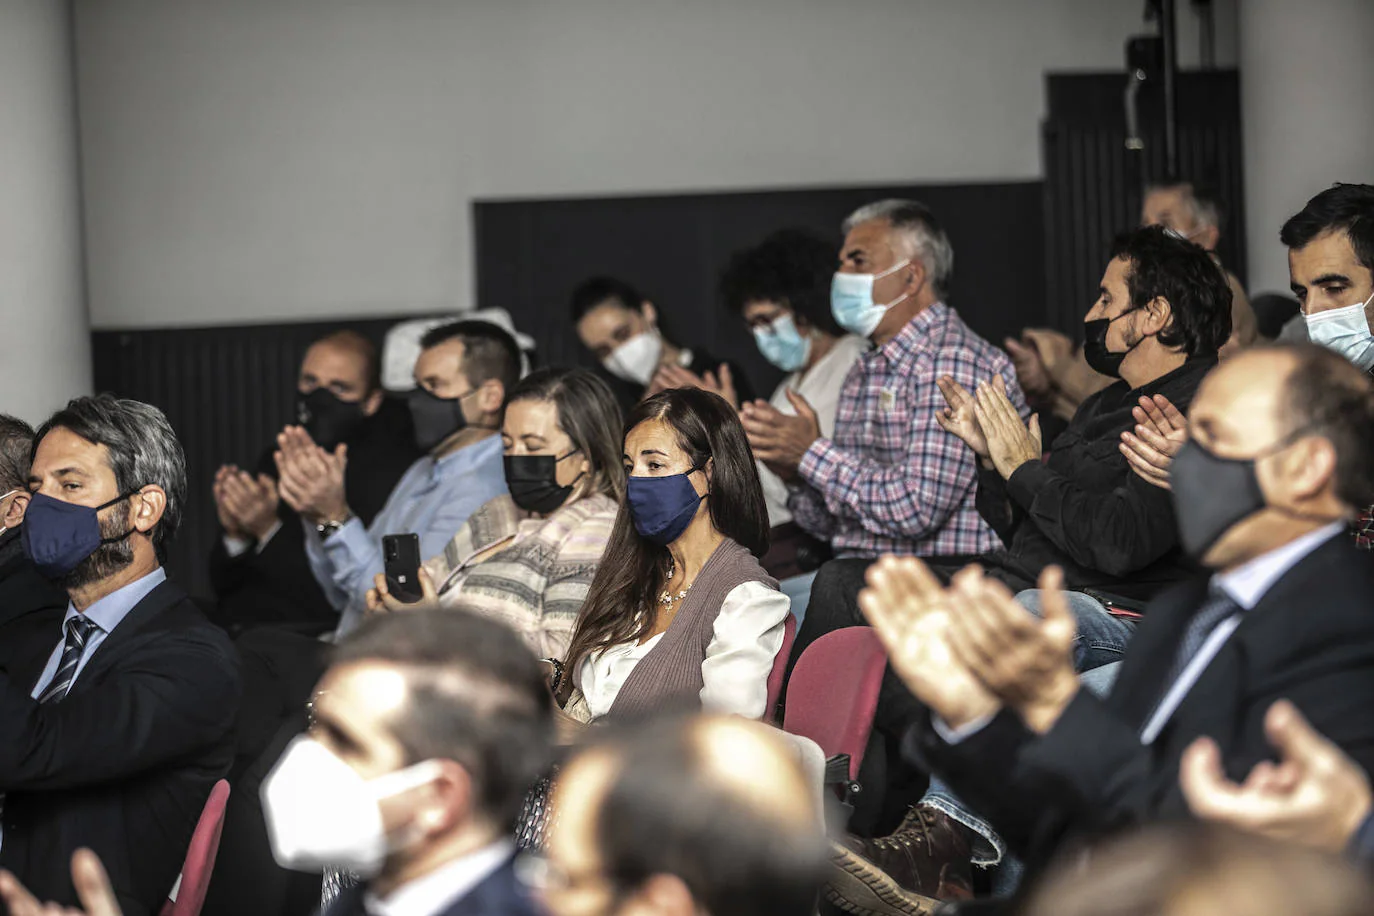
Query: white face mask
(636,359)
(851,300)
(1345,330)
(321,813)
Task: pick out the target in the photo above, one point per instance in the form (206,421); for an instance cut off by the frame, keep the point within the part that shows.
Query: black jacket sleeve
(1118,532)
(996,506)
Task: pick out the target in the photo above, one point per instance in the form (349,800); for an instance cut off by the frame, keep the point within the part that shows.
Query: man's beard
(107,559)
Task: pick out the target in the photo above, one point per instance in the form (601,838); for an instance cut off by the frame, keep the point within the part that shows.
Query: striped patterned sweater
(530,573)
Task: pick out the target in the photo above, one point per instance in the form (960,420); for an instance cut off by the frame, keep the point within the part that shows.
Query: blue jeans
(1098,648)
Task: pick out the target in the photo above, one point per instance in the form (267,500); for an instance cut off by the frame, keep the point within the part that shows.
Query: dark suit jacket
(275,586)
(1310,640)
(500,894)
(124,763)
(29,603)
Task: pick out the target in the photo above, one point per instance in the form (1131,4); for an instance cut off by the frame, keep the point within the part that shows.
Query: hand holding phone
(401,559)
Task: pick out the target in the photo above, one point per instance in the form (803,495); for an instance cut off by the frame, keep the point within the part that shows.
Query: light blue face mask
(1345,330)
(782,344)
(851,300)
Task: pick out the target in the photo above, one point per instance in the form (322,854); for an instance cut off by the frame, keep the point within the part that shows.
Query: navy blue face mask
(57,536)
(662,507)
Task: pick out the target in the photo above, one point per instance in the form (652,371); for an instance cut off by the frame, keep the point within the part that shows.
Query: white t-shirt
(821,388)
(745,640)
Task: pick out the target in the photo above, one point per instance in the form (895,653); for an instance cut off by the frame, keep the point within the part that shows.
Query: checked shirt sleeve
(915,496)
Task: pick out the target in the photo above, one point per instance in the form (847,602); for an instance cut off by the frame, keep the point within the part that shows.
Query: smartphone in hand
(401,556)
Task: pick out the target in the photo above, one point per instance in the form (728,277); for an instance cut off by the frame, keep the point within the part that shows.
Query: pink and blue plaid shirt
(890,480)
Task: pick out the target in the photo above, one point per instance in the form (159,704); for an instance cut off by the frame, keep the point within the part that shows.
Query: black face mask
(435,418)
(533,482)
(328,419)
(1213,494)
(1095,351)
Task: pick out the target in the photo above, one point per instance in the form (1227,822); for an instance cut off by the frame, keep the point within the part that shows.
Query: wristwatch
(327,529)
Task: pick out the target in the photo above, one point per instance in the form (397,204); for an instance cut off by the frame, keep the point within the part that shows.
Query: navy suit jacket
(499,894)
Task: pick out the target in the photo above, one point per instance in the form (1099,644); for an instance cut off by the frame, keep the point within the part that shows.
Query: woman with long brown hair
(680,607)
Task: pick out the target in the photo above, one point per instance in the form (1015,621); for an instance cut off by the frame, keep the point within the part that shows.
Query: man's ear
(149,505)
(1159,313)
(373,402)
(1312,466)
(491,396)
(14,515)
(1207,238)
(915,272)
(649,313)
(453,804)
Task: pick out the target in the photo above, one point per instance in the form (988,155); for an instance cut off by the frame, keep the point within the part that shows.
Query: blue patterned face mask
(851,300)
(782,344)
(1345,330)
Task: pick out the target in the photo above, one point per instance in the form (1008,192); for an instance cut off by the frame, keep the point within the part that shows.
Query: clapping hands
(1160,432)
(969,649)
(311,479)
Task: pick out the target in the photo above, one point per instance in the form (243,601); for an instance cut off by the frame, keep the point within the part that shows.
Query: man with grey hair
(114,725)
(890,480)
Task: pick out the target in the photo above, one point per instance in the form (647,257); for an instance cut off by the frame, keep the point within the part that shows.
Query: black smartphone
(401,555)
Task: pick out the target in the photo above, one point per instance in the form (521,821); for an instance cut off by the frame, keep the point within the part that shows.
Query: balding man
(1280,454)
(708,815)
(258,566)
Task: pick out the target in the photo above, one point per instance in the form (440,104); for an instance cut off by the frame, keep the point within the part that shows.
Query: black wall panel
(531,253)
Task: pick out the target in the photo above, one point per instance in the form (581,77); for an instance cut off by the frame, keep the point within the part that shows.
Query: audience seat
(778,675)
(831,698)
(188,896)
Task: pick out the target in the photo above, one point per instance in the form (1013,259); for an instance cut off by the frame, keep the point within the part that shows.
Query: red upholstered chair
(832,695)
(779,672)
(189,895)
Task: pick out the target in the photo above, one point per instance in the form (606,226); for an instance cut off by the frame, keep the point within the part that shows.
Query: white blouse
(745,640)
(821,388)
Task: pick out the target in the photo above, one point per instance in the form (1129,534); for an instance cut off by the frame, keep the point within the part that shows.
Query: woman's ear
(709,469)
(649,313)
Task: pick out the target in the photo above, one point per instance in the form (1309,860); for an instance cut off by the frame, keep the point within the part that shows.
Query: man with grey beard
(115,726)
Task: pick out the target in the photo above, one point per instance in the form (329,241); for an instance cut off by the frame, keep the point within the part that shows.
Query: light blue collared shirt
(106,614)
(433,500)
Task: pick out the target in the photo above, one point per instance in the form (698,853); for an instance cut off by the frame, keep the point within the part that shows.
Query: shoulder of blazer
(499,894)
(169,618)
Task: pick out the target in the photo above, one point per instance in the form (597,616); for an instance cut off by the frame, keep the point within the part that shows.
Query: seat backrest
(833,692)
(189,894)
(779,672)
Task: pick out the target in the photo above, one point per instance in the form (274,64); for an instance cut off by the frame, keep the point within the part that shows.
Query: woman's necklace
(666,598)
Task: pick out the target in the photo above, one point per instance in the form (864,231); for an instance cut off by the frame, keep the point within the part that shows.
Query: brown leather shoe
(926,860)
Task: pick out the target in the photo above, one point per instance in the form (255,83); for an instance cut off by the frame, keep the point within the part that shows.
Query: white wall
(44,345)
(1307,70)
(259,159)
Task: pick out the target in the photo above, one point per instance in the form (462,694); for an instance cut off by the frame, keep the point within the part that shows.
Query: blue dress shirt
(433,500)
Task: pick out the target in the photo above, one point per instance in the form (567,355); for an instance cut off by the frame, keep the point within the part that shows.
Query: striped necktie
(79,629)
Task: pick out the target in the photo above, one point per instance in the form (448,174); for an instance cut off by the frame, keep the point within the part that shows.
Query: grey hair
(16,444)
(1201,203)
(142,449)
(920,228)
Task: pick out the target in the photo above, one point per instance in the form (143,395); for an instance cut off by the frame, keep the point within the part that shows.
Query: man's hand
(253,502)
(959,418)
(92,889)
(778,440)
(1315,795)
(1160,432)
(1030,368)
(911,614)
(1010,442)
(228,520)
(381,601)
(311,479)
(1025,661)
